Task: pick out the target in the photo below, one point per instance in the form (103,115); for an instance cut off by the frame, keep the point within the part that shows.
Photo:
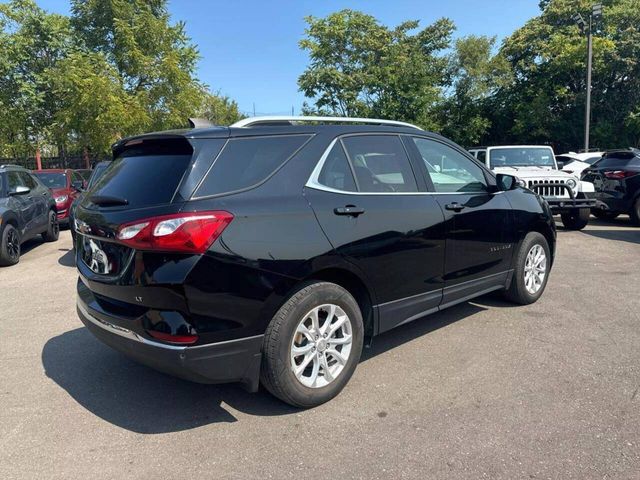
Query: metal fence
(73,161)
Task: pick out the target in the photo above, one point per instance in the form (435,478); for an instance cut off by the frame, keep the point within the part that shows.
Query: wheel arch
(9,218)
(548,233)
(356,286)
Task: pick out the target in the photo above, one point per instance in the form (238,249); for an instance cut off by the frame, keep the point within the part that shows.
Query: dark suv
(616,179)
(27,209)
(268,251)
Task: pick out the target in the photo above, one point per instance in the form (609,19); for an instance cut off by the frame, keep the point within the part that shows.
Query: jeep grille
(549,191)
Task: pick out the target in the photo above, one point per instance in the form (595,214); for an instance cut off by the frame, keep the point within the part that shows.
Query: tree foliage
(545,103)
(477,74)
(111,69)
(359,67)
(532,89)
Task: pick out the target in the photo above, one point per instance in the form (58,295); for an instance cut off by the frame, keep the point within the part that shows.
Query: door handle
(350,210)
(455,206)
(44,194)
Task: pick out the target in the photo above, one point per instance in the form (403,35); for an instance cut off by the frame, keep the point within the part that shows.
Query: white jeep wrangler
(536,167)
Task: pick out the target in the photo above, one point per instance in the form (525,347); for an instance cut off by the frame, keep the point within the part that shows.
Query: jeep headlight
(571,183)
(61,198)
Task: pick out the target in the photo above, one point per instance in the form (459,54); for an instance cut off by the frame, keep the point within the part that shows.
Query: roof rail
(274,120)
(11,165)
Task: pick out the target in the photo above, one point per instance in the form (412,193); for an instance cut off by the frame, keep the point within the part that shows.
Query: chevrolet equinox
(268,251)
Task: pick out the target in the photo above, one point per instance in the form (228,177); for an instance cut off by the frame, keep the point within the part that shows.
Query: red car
(66,185)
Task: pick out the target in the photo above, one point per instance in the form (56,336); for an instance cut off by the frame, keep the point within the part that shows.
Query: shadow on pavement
(138,398)
(422,326)
(29,245)
(68,259)
(630,236)
(142,400)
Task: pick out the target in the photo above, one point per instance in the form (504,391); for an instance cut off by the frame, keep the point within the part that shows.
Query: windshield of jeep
(521,157)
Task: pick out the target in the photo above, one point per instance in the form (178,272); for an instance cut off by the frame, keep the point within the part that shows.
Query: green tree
(546,101)
(96,110)
(219,109)
(154,59)
(31,42)
(359,67)
(477,74)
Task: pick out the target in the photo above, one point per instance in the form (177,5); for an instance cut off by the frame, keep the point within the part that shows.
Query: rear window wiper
(108,200)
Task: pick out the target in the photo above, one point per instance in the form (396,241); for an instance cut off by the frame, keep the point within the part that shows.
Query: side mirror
(507,182)
(79,185)
(20,190)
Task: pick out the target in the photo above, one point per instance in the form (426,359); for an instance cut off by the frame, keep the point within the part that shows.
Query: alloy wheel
(321,346)
(535,269)
(13,245)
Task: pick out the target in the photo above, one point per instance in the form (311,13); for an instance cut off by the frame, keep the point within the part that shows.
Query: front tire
(9,246)
(53,228)
(312,345)
(531,272)
(576,220)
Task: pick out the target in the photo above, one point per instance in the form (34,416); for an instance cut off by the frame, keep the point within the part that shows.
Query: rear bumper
(612,203)
(222,362)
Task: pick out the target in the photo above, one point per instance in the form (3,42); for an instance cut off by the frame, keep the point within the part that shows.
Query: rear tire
(576,220)
(524,289)
(292,330)
(634,214)
(53,228)
(603,214)
(9,246)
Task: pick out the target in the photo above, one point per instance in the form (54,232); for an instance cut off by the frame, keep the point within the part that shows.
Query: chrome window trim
(313,182)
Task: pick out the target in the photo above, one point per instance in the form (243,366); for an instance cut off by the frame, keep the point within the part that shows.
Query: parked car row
(537,168)
(605,184)
(36,203)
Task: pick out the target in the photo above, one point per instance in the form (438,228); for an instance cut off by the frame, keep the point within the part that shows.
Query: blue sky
(250,48)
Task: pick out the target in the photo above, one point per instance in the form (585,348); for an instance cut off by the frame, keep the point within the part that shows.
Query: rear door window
(380,163)
(145,176)
(246,162)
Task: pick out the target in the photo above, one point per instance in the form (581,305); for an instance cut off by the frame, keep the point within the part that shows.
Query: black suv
(27,209)
(616,179)
(268,251)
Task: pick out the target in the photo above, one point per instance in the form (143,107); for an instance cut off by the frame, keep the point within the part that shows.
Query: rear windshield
(144,176)
(245,162)
(52,180)
(521,157)
(619,160)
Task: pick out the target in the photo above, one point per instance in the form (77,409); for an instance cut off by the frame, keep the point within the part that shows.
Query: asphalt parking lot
(482,390)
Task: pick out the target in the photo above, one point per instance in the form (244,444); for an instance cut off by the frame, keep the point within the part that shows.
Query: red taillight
(167,337)
(619,174)
(192,232)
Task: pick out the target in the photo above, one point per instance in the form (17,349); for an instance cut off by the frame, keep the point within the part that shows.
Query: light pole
(595,14)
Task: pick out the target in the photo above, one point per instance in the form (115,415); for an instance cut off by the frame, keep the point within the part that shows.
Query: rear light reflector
(619,174)
(192,232)
(167,337)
